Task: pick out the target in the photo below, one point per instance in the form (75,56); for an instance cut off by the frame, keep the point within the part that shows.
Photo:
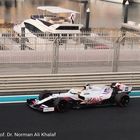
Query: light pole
(87,18)
(126,11)
(125,14)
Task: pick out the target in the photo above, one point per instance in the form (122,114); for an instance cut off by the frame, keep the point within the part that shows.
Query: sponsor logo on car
(48,109)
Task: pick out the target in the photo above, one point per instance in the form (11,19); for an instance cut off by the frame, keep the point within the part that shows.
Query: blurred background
(103,14)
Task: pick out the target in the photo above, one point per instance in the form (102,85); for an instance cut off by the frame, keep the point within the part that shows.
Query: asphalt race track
(104,123)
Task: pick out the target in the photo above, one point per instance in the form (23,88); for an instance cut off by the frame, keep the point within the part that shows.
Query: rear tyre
(61,105)
(122,99)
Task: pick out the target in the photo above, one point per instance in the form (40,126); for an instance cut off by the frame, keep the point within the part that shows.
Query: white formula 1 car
(88,96)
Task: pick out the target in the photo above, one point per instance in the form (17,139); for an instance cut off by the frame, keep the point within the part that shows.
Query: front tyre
(122,99)
(61,105)
(44,94)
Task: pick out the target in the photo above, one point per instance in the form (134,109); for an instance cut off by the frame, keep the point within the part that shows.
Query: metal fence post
(116,54)
(55,56)
(23,38)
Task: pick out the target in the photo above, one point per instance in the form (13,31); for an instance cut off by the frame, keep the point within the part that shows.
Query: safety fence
(98,51)
(22,83)
(96,39)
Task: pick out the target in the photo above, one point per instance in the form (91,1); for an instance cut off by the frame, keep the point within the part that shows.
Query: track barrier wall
(33,83)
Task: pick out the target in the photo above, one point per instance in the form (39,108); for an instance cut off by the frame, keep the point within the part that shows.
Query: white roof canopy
(55,9)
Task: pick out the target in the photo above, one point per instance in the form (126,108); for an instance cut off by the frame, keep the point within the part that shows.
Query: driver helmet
(87,86)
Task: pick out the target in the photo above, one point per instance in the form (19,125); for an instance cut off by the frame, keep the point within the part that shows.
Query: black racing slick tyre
(122,99)
(44,94)
(61,105)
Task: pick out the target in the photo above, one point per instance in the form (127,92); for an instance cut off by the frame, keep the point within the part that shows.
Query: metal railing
(22,83)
